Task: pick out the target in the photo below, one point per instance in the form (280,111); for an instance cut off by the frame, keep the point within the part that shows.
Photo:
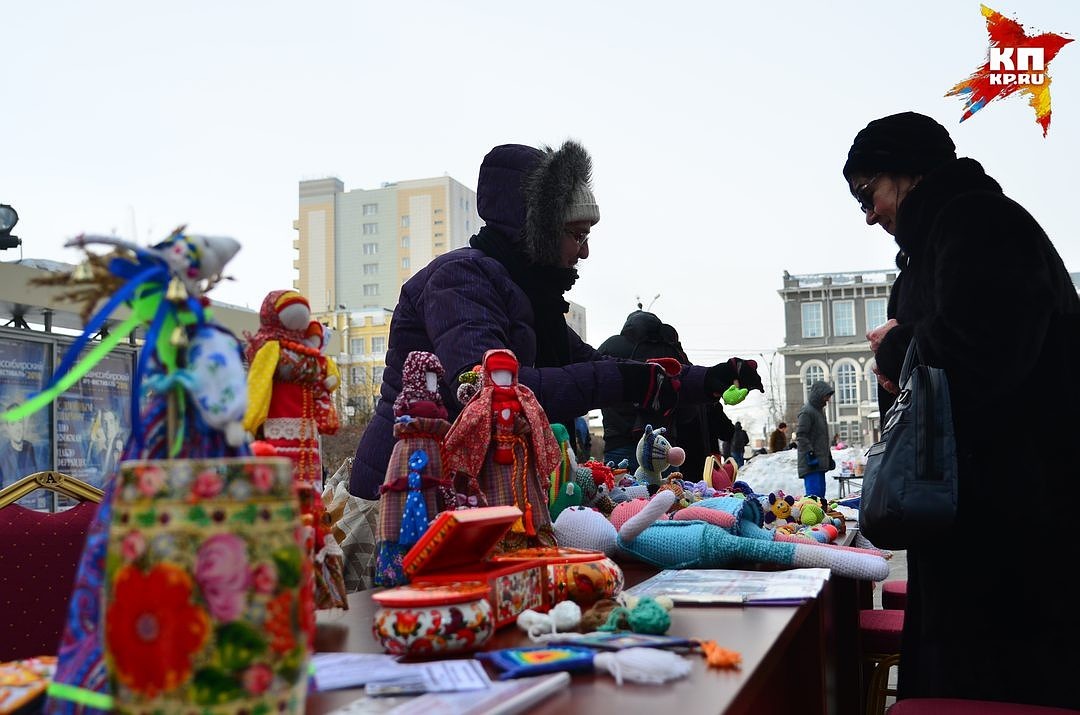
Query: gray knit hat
(557,191)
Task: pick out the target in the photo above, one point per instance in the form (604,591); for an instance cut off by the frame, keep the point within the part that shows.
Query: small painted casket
(578,575)
(433,619)
(457,547)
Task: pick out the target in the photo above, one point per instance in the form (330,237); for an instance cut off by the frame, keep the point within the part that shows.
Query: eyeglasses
(864,193)
(580,237)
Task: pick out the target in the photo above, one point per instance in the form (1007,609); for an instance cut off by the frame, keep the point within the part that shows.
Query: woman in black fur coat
(990,301)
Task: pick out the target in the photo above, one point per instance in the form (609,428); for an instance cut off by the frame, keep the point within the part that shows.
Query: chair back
(39,555)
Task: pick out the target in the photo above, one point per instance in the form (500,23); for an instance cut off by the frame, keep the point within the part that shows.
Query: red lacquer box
(457,547)
(578,575)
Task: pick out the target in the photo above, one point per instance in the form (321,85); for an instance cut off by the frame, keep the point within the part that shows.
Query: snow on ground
(780,471)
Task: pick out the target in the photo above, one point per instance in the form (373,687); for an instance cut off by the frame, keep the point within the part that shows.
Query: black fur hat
(905,143)
(557,191)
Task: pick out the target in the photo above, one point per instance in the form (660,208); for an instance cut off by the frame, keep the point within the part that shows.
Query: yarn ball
(597,616)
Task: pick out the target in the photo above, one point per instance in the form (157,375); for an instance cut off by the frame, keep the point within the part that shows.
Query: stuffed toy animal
(411,484)
(564,490)
(503,439)
(655,454)
(779,509)
(284,380)
(676,544)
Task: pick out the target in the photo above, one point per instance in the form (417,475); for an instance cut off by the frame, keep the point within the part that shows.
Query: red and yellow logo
(1015,62)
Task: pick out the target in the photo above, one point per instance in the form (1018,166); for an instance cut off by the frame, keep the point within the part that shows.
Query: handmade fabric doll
(284,379)
(420,425)
(326,415)
(564,490)
(165,287)
(504,439)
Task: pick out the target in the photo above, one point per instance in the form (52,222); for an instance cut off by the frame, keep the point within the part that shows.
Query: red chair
(949,706)
(879,641)
(39,554)
(894,594)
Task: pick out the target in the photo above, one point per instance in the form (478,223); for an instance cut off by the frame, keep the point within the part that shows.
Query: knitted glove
(722,375)
(647,386)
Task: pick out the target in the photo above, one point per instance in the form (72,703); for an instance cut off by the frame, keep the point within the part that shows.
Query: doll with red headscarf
(326,415)
(284,381)
(503,438)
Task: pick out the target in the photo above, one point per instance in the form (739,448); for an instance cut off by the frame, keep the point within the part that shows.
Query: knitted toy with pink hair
(685,542)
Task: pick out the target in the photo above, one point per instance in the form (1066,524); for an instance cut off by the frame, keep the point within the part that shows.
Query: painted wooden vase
(208,597)
(433,619)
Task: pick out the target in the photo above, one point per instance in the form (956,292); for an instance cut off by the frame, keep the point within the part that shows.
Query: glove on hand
(647,386)
(721,376)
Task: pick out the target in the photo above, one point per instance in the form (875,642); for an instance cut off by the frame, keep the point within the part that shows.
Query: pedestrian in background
(812,438)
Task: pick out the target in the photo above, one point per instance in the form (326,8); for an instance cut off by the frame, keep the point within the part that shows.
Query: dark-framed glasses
(580,237)
(864,193)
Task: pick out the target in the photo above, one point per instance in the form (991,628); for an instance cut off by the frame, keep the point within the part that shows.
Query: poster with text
(25,445)
(93,420)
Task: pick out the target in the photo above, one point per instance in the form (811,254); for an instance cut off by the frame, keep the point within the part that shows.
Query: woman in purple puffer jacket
(506,291)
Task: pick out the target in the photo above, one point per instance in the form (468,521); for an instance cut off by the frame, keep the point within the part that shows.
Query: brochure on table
(729,586)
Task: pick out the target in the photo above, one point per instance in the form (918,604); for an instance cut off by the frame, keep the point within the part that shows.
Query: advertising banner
(25,445)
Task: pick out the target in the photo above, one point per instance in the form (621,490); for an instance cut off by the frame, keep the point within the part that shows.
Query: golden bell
(178,339)
(177,292)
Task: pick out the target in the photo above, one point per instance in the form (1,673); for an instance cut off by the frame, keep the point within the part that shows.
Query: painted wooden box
(578,575)
(457,547)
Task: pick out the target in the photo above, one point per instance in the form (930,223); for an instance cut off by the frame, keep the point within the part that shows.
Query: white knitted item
(862,566)
(583,528)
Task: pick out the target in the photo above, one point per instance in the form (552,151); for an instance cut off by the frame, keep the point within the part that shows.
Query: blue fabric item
(702,545)
(414,519)
(742,509)
(815,483)
(619,454)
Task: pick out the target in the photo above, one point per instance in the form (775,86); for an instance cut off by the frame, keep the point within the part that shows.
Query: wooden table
(784,664)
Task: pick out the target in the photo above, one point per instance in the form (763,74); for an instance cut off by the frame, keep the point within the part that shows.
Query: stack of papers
(728,586)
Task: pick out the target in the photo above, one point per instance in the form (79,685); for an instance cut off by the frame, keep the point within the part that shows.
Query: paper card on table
(334,671)
(730,586)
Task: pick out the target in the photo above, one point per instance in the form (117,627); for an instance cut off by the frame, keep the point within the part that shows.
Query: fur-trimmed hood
(548,190)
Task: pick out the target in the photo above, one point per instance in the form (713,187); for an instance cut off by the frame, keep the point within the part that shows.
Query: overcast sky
(717,130)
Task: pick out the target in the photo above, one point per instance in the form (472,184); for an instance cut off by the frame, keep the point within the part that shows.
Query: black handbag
(910,481)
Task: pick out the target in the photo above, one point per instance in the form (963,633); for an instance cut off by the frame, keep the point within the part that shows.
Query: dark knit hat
(905,143)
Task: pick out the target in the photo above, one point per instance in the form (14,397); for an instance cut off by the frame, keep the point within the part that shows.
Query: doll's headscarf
(270,326)
(414,391)
(469,438)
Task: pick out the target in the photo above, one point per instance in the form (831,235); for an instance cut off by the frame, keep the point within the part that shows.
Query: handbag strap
(911,359)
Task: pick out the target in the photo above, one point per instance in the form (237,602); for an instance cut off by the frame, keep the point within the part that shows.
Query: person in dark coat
(988,299)
(812,439)
(739,440)
(778,439)
(696,428)
(505,290)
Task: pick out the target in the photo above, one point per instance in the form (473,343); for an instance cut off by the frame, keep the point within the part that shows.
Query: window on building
(356,347)
(371,289)
(843,317)
(871,381)
(438,211)
(404,241)
(405,221)
(371,269)
(438,235)
(378,345)
(405,263)
(359,375)
(376,375)
(370,249)
(438,221)
(875,312)
(467,226)
(370,229)
(847,384)
(813,374)
(849,432)
(812,326)
(466,204)
(371,209)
